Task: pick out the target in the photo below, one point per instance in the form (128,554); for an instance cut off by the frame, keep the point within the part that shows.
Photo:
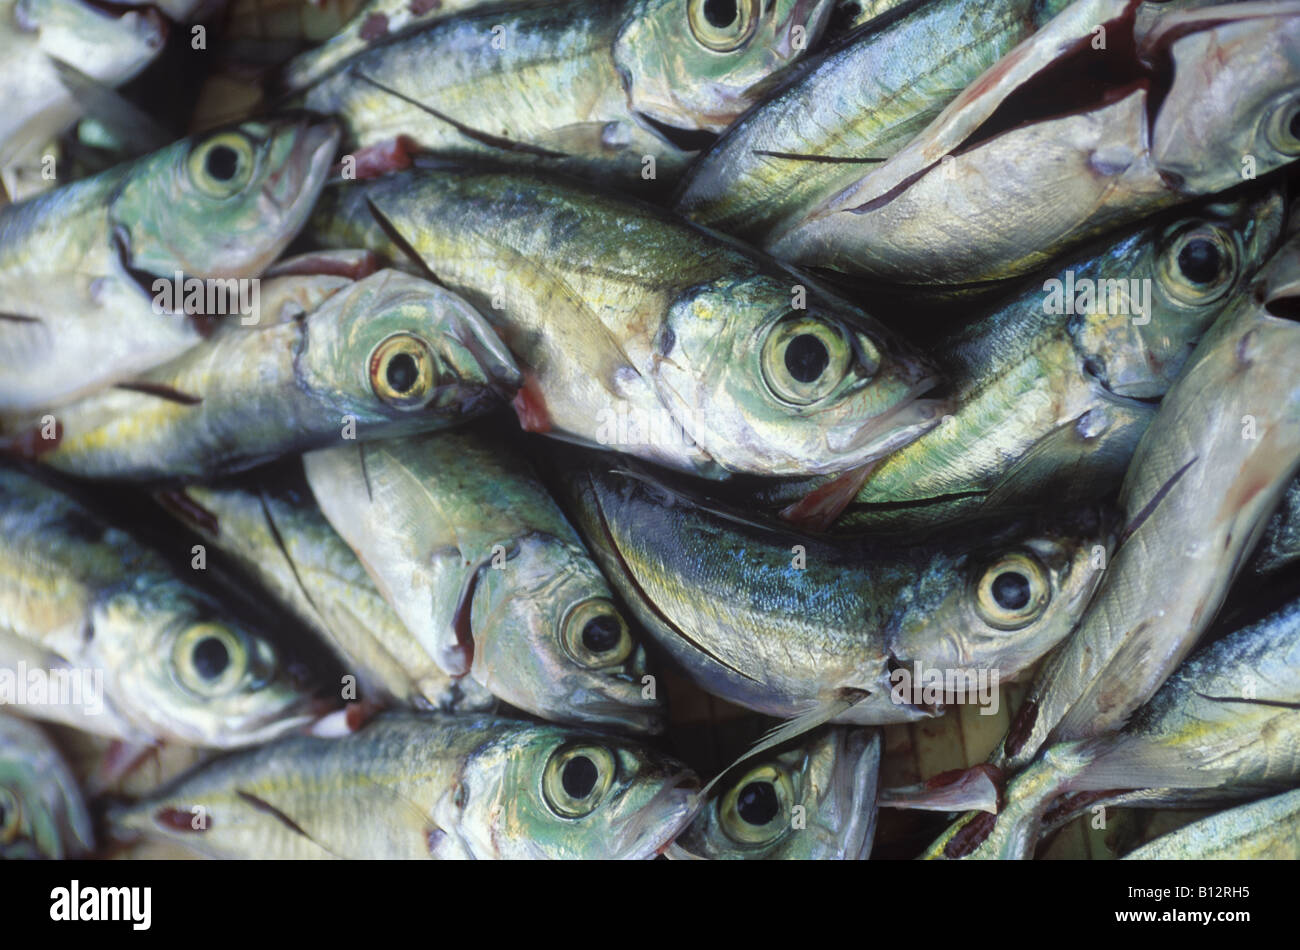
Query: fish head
(698,64)
(184,672)
(1159,290)
(223,204)
(550,792)
(392,346)
(102,42)
(41,811)
(1003,605)
(772,380)
(830,779)
(549,639)
(1233,110)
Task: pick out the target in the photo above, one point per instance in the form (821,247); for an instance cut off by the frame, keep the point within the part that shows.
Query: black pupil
(402,372)
(211,658)
(720,13)
(579,777)
(222,162)
(601,634)
(757,803)
(1199,260)
(1011,590)
(1294,127)
(806,358)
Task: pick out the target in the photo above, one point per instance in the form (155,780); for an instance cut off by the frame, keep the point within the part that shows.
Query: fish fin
(1123,763)
(845,699)
(394,234)
(818,510)
(1150,507)
(477,135)
(819,159)
(127,121)
(978,788)
(162,391)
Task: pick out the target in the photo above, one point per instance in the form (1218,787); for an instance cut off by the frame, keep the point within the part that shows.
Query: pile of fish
(635,428)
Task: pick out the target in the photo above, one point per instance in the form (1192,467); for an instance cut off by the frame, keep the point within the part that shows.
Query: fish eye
(1282,127)
(1198,264)
(576,779)
(1013,591)
(402,371)
(11,814)
(757,808)
(805,359)
(222,164)
(722,26)
(210,659)
(595,634)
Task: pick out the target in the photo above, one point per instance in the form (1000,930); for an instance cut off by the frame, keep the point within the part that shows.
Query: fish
(108,46)
(813,802)
(84,267)
(119,643)
(845,110)
(425,786)
(639,332)
(1224,727)
(1280,545)
(1205,477)
(805,630)
(623,91)
(1014,171)
(1054,387)
(386,355)
(373,22)
(1268,829)
(42,814)
(480,564)
(273,527)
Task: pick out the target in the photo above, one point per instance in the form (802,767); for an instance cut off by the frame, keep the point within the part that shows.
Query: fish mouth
(903,423)
(316,139)
(631,712)
(854,784)
(489,353)
(649,830)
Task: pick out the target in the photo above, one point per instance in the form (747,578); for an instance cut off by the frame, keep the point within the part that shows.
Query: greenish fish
(1205,477)
(850,107)
(116,642)
(107,45)
(1226,726)
(41,811)
(815,801)
(1014,171)
(623,89)
(272,526)
(1268,829)
(482,567)
(798,628)
(388,354)
(641,333)
(83,267)
(412,786)
(1054,387)
(374,22)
